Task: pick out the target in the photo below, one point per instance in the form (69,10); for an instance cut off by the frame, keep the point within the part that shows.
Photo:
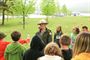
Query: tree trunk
(23,20)
(3,16)
(47,18)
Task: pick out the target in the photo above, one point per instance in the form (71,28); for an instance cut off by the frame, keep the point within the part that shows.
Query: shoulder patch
(50,33)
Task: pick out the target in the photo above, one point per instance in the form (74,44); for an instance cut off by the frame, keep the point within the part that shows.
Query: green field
(67,24)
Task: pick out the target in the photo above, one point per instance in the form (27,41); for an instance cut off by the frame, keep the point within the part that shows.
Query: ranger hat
(42,22)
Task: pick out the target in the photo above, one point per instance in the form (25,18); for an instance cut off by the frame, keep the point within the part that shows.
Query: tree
(58,10)
(4,6)
(21,7)
(48,7)
(65,10)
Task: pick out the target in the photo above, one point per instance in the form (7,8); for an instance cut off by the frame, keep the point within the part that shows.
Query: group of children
(74,33)
(10,49)
(60,50)
(80,50)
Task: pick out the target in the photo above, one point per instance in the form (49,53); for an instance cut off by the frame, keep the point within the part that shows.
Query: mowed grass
(31,27)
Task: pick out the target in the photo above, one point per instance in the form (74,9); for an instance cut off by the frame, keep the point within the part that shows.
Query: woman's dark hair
(59,27)
(36,43)
(15,35)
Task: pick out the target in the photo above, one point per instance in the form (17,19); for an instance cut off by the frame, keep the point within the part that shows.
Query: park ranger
(44,33)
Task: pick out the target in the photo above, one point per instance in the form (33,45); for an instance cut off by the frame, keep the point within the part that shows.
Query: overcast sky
(73,5)
(76,5)
(73,1)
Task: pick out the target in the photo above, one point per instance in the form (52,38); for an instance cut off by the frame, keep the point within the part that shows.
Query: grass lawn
(67,24)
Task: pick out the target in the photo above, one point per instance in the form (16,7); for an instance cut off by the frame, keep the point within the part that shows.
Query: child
(81,49)
(73,35)
(52,52)
(15,50)
(85,29)
(3,45)
(66,51)
(58,34)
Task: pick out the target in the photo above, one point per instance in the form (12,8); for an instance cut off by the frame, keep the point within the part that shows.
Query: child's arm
(22,41)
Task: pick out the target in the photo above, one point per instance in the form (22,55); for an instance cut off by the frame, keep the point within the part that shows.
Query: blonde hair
(82,43)
(52,49)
